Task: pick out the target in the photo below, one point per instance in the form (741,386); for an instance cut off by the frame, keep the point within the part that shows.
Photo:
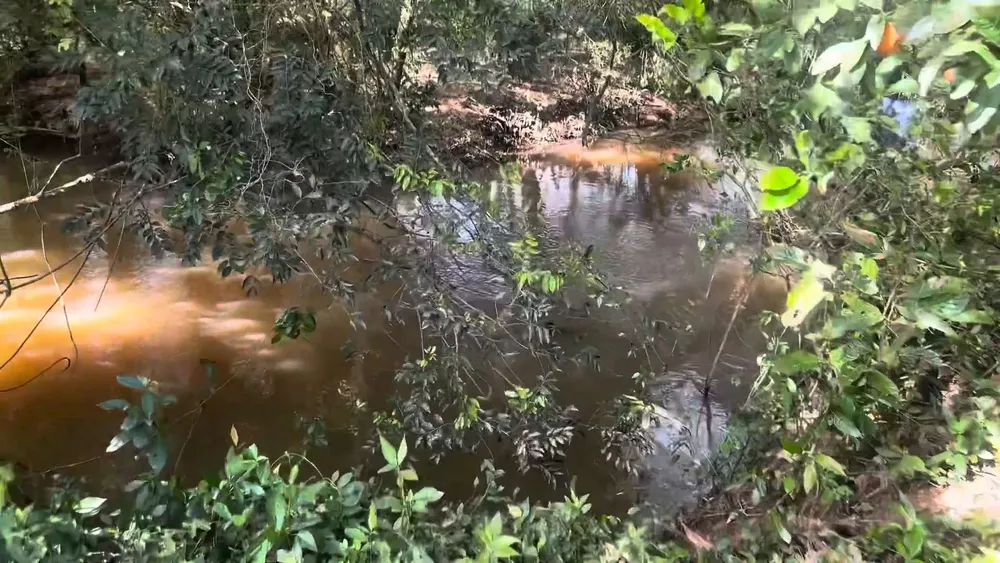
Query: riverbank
(474,124)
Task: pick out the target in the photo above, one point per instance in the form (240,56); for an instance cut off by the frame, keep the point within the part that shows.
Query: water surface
(124,311)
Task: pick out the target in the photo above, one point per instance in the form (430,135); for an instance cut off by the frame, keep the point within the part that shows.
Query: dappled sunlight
(976,497)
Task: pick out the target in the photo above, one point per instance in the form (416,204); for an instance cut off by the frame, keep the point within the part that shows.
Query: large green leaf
(809,477)
(874,31)
(881,383)
(844,55)
(796,361)
(928,73)
(659,30)
(778,200)
(857,315)
(819,99)
(858,128)
(830,464)
(963,89)
(677,13)
(711,87)
(696,8)
(802,299)
(779,178)
(89,506)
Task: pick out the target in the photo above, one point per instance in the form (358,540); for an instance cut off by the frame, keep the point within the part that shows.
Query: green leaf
(678,14)
(780,528)
(830,464)
(790,445)
(819,99)
(863,311)
(495,525)
(735,60)
(277,508)
(967,46)
(845,426)
(306,540)
(874,32)
(802,299)
(148,402)
(963,89)
(804,20)
(928,73)
(826,11)
(659,30)
(372,517)
(881,383)
(803,147)
(388,452)
(401,452)
(927,320)
(981,119)
(776,201)
(118,442)
(222,511)
(696,8)
(115,404)
(844,55)
(909,466)
(914,540)
(796,361)
(809,477)
(89,506)
(132,382)
(789,484)
(905,85)
(973,317)
(428,494)
(711,87)
(355,534)
(259,554)
(157,456)
(779,178)
(858,128)
(502,546)
(888,64)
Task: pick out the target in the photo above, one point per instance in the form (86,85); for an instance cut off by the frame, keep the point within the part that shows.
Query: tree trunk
(401,45)
(592,107)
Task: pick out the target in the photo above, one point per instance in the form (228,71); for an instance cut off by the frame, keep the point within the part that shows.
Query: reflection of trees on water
(620,195)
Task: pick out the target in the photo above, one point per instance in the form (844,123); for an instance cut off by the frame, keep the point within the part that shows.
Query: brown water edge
(158,319)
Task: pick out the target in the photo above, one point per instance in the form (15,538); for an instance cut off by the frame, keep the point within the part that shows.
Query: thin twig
(729,328)
(7,207)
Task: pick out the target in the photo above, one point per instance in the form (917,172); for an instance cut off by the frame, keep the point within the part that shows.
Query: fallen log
(58,189)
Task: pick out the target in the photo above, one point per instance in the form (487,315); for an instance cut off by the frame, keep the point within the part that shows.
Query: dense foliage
(298,121)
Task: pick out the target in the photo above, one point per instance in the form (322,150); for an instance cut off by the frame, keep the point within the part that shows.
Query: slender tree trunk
(592,107)
(401,46)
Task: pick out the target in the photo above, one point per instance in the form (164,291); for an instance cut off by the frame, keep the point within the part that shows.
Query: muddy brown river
(129,313)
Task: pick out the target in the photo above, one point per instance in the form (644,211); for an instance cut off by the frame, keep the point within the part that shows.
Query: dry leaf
(234,436)
(697,540)
(859,235)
